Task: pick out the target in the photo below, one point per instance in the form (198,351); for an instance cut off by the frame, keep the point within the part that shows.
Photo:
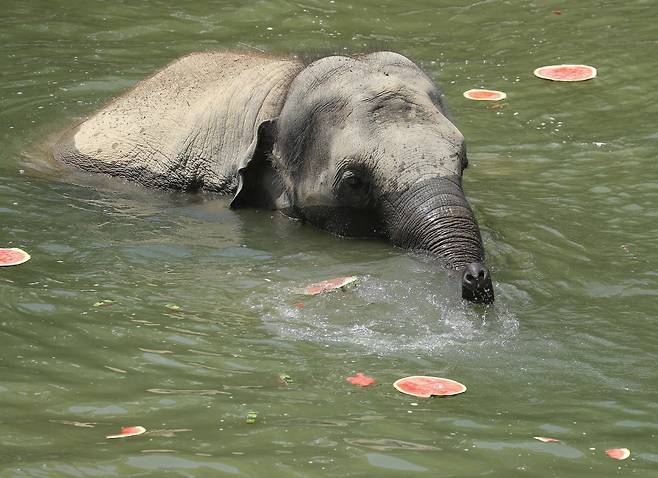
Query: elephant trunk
(434,216)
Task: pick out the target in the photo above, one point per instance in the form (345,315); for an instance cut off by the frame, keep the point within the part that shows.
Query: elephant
(361,146)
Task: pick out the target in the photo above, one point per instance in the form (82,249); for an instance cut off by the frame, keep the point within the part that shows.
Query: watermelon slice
(327,285)
(128,432)
(618,453)
(361,380)
(547,439)
(485,95)
(13,256)
(566,72)
(423,386)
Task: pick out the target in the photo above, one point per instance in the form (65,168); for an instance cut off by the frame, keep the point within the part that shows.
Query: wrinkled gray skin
(359,146)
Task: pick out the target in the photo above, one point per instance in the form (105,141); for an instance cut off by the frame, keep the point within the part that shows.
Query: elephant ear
(259,182)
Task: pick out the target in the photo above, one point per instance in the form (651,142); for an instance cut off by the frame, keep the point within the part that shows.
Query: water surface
(563,181)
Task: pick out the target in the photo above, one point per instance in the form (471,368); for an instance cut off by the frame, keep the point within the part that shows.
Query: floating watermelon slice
(566,72)
(422,386)
(327,285)
(128,432)
(361,380)
(618,453)
(485,95)
(13,256)
(547,439)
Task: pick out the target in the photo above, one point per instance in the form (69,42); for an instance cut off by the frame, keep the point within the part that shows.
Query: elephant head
(362,147)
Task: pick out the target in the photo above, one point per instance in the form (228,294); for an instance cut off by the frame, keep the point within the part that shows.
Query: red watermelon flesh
(485,95)
(13,256)
(327,285)
(423,386)
(361,380)
(618,453)
(128,432)
(566,72)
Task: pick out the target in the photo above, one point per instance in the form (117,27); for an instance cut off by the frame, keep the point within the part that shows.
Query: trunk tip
(476,284)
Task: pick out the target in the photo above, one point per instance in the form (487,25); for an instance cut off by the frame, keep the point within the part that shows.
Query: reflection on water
(386,444)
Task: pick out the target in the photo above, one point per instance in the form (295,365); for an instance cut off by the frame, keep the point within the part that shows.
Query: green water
(563,179)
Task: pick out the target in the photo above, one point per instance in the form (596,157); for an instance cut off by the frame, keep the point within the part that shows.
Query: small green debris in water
(173,307)
(251,417)
(285,378)
(104,302)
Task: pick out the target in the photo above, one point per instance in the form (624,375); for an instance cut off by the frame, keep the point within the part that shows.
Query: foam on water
(392,316)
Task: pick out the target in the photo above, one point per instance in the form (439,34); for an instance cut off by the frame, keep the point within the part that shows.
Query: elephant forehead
(405,153)
(384,98)
(379,86)
(360,78)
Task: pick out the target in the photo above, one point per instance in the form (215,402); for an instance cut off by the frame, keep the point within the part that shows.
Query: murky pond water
(564,182)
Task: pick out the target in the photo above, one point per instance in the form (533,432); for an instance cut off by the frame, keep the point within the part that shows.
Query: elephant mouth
(346,221)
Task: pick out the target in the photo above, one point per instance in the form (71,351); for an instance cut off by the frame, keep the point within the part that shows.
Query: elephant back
(190,126)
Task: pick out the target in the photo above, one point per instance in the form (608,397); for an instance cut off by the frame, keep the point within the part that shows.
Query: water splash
(393,316)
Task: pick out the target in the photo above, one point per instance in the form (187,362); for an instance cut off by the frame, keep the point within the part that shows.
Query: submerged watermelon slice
(361,380)
(13,256)
(327,285)
(566,72)
(485,95)
(128,432)
(422,386)
(618,453)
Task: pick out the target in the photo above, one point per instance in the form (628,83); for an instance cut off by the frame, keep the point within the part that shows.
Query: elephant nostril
(476,284)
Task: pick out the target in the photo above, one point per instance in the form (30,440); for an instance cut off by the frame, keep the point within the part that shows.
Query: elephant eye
(352,180)
(353,188)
